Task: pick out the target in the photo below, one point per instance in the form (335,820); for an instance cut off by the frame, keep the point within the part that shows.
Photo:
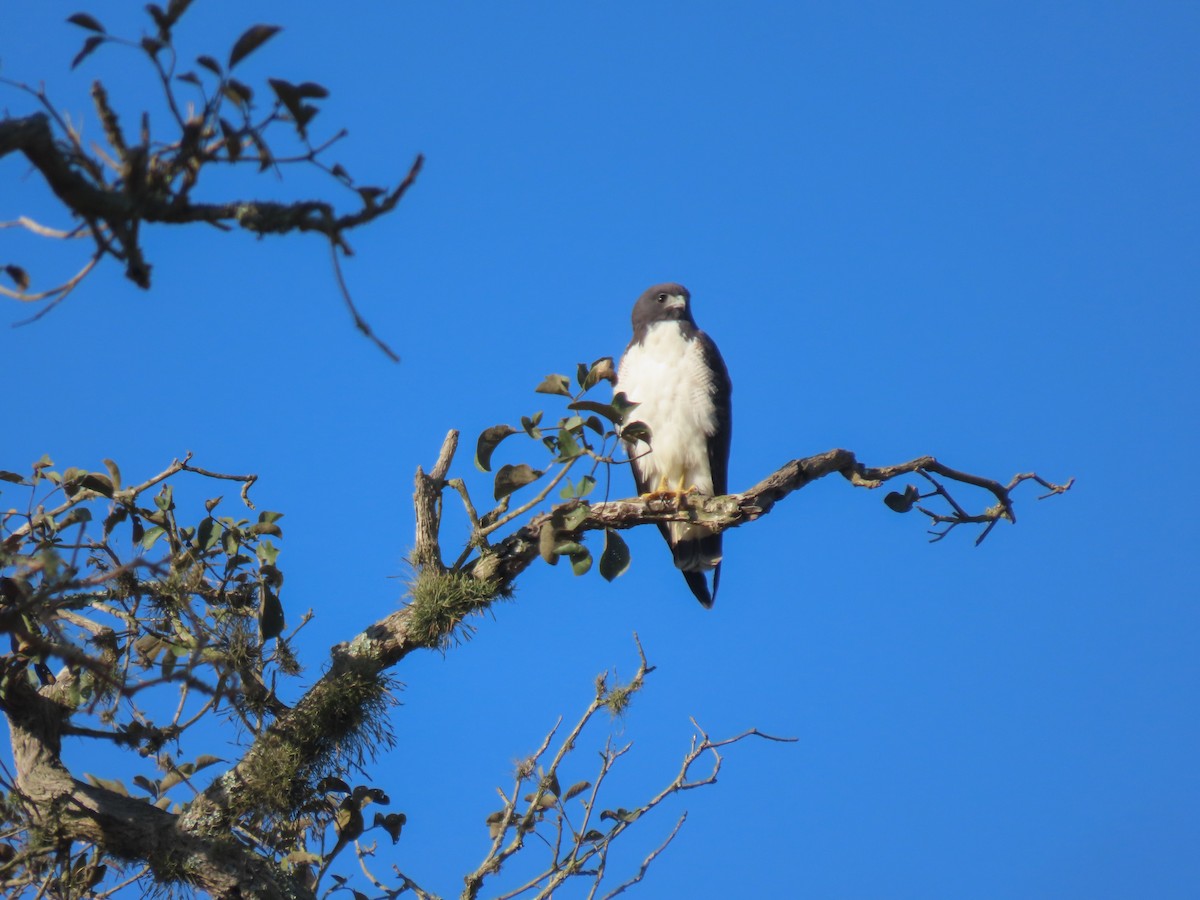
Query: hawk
(676,375)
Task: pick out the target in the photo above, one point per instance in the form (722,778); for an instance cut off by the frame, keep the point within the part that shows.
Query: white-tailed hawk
(676,375)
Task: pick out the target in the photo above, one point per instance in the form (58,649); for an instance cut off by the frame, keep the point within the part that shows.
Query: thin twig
(641,872)
(359,322)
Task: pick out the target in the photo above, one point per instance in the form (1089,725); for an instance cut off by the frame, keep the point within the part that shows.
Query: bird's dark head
(662,303)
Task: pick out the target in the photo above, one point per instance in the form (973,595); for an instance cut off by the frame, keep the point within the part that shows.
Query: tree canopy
(135,621)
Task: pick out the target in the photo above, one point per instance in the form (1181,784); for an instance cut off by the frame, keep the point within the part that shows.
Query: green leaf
(576,491)
(601,370)
(580,556)
(19,276)
(265,159)
(332,783)
(546,801)
(96,874)
(159,17)
(576,789)
(286,92)
(495,823)
(620,814)
(271,576)
(110,784)
(150,536)
(392,823)
(175,9)
(252,38)
(511,478)
(83,20)
(575,516)
(233,139)
(12,477)
(610,412)
(615,558)
(204,760)
(636,431)
(546,542)
(292,97)
(177,775)
(530,424)
(118,515)
(164,499)
(268,515)
(88,47)
(74,517)
(114,473)
(270,615)
(555,384)
(488,441)
(211,64)
(306,114)
(568,447)
(241,94)
(902,503)
(581,562)
(150,787)
(208,534)
(94,481)
(312,90)
(623,405)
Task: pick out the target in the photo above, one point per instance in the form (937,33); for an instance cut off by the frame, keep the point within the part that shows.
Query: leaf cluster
(223,122)
(145,174)
(588,433)
(124,610)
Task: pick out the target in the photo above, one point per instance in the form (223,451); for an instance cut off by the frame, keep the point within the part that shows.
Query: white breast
(667,376)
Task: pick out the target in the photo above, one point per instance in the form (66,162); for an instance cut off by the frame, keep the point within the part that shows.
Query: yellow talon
(664,489)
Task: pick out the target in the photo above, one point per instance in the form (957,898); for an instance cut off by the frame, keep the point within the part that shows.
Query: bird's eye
(662,298)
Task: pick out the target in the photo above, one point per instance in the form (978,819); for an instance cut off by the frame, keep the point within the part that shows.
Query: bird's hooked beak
(675,301)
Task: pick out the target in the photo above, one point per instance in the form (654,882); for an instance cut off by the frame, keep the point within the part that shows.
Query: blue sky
(967,230)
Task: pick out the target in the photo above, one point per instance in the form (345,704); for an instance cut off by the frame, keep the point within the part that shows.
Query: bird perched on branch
(676,375)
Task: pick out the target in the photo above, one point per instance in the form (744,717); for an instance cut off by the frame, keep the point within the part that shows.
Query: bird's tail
(696,552)
(699,554)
